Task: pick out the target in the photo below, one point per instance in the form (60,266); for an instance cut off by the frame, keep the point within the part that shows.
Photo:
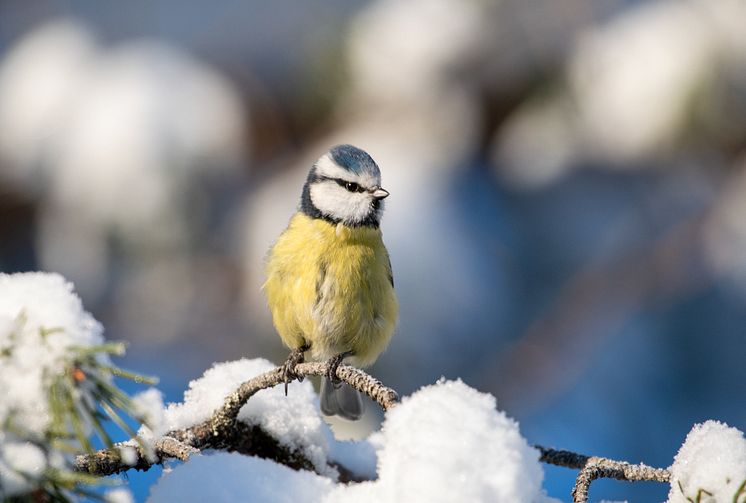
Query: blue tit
(329,282)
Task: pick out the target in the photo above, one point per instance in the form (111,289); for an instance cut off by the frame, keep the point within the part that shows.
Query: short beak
(380,193)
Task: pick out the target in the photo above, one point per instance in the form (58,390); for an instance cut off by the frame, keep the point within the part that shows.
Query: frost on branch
(56,381)
(710,466)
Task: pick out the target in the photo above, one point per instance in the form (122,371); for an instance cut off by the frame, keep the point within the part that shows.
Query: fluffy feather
(328,167)
(324,195)
(330,285)
(329,282)
(336,202)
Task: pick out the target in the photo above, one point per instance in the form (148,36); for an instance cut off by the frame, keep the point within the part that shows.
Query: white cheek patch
(337,202)
(326,166)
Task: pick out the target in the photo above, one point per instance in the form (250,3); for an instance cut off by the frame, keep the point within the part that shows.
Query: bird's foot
(295,357)
(332,364)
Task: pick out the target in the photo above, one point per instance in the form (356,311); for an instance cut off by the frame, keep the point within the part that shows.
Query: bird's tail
(338,399)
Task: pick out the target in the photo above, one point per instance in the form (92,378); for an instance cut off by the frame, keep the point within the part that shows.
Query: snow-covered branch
(359,380)
(56,368)
(223,431)
(58,388)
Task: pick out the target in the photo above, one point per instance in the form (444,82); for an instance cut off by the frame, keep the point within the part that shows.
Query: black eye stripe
(350,186)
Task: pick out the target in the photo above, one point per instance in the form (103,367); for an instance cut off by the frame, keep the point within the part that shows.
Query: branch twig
(594,467)
(356,378)
(172,448)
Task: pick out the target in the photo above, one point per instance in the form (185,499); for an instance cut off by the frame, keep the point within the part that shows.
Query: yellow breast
(330,286)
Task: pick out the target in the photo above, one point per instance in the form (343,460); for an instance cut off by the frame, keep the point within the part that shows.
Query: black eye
(352,187)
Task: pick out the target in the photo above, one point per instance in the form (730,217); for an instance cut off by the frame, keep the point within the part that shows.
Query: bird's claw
(332,364)
(289,375)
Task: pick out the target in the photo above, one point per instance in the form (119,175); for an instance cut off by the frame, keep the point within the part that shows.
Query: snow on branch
(56,371)
(58,388)
(356,378)
(223,431)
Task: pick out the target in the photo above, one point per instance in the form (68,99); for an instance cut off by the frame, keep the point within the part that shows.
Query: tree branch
(356,378)
(593,467)
(170,447)
(223,431)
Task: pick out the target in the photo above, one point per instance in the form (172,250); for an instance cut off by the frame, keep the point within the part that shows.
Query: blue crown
(355,160)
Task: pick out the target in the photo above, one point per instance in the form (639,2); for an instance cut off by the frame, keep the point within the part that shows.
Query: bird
(330,286)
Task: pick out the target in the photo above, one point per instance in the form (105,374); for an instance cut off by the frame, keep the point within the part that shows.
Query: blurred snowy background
(567,220)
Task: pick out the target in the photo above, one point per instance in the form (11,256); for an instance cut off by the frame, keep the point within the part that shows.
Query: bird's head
(344,185)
